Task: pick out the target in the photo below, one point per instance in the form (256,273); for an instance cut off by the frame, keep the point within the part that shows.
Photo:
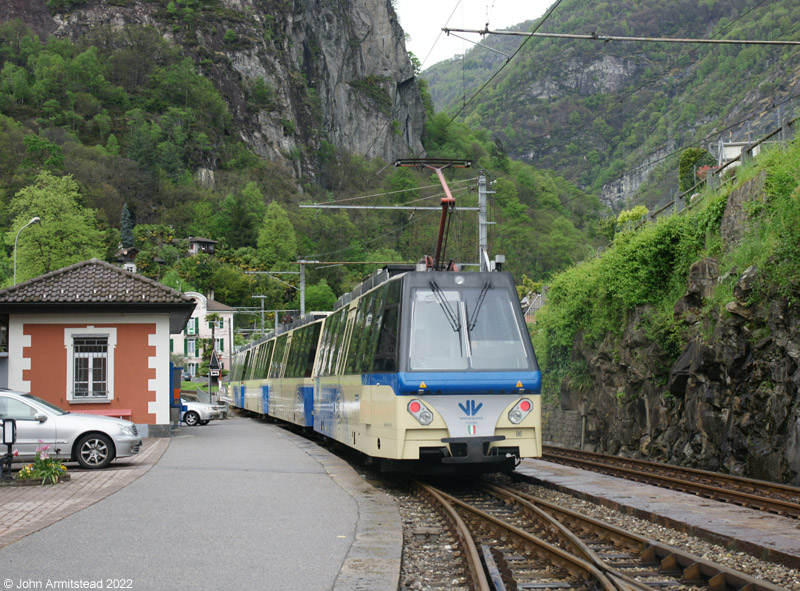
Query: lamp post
(34,220)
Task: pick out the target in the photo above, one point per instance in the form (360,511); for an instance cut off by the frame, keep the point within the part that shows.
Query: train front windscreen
(466,328)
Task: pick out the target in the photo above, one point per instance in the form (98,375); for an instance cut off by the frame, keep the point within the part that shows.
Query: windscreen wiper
(478,305)
(448,311)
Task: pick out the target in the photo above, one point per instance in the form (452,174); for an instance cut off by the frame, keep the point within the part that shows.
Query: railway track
(747,492)
(511,540)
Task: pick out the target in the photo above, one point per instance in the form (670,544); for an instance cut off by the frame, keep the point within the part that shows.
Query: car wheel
(191,418)
(205,422)
(94,451)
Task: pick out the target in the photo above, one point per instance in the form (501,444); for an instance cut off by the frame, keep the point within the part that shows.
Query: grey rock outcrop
(731,400)
(335,72)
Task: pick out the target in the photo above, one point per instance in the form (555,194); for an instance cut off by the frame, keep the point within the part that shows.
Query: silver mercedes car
(91,440)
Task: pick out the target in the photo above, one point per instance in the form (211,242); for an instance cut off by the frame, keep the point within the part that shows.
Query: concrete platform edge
(757,550)
(374,559)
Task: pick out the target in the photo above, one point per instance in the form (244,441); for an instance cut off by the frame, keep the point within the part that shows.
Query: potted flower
(48,469)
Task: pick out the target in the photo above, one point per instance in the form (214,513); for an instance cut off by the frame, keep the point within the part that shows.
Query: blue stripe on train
(457,382)
(306,394)
(240,397)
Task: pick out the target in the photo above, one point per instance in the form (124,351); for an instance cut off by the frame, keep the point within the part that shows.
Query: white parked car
(91,440)
(199,413)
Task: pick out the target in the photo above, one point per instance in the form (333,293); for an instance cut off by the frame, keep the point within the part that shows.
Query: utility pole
(262,298)
(483,241)
(303,264)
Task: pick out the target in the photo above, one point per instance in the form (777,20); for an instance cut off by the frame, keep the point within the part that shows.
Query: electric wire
(386,193)
(508,61)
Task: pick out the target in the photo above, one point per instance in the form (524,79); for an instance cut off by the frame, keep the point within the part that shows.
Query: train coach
(420,370)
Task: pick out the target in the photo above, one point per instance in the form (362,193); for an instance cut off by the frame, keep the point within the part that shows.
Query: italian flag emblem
(472,429)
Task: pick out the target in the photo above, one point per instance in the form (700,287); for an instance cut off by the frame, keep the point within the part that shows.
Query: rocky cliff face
(324,71)
(730,403)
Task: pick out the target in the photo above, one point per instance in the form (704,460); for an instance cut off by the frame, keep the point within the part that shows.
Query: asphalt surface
(236,504)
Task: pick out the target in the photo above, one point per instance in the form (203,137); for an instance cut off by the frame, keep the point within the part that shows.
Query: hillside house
(198,333)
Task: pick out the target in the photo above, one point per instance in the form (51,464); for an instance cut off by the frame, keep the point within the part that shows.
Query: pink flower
(16,453)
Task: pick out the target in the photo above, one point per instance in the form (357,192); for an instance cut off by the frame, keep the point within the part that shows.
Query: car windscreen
(49,406)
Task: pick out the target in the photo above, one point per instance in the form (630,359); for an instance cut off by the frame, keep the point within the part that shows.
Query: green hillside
(120,139)
(593,111)
(638,281)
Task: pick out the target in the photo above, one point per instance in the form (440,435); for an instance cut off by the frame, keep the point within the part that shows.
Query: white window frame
(191,348)
(109,333)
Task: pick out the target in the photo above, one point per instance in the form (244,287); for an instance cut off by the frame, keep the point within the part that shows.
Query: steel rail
(575,543)
(692,569)
(573,564)
(714,485)
(471,554)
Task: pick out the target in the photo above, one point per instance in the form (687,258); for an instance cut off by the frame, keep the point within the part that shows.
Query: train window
(362,328)
(337,354)
(494,333)
(311,349)
(347,332)
(372,333)
(262,366)
(325,347)
(385,350)
(276,366)
(246,369)
(467,328)
(295,349)
(436,337)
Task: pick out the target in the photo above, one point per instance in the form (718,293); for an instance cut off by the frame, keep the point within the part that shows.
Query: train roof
(378,277)
(309,318)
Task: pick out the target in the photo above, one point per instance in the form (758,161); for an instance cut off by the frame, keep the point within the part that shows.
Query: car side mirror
(40,417)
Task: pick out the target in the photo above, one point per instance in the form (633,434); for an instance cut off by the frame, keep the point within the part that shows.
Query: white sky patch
(423,20)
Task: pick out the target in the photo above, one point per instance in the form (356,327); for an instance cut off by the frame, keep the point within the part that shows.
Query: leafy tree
(43,153)
(240,214)
(67,233)
(277,241)
(319,297)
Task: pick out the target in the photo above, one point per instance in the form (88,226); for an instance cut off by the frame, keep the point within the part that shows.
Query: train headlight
(521,410)
(420,412)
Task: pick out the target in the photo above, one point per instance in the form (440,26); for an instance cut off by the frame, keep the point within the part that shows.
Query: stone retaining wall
(561,427)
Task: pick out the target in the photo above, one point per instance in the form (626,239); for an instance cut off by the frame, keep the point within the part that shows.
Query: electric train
(420,370)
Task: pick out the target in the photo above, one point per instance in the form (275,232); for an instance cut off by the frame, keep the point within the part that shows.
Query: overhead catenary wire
(386,193)
(607,38)
(502,67)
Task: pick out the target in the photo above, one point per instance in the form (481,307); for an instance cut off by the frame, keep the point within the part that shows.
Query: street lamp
(34,220)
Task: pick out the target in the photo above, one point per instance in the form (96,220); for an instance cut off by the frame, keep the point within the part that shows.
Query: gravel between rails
(767,571)
(432,562)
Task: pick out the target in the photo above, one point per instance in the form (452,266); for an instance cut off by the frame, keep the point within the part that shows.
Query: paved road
(237,504)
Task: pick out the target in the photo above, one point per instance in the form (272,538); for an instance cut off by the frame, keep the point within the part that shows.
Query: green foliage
(629,218)
(49,470)
(319,297)
(276,240)
(591,129)
(647,269)
(126,227)
(373,87)
(690,161)
(67,232)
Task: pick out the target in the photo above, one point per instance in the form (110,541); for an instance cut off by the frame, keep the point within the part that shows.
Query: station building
(95,338)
